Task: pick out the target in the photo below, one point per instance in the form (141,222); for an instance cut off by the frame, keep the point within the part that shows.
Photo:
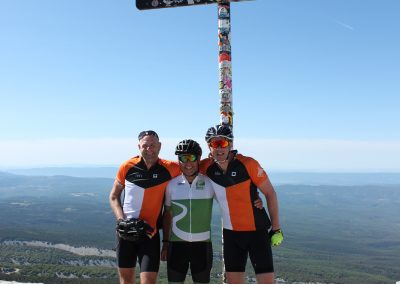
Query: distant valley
(333,233)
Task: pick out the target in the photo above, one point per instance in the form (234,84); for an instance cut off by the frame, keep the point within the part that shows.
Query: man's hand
(258,203)
(164,251)
(276,237)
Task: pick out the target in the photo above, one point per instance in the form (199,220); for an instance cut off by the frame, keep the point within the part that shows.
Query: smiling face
(149,148)
(220,148)
(189,169)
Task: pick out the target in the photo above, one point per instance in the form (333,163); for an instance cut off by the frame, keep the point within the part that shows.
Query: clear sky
(316,84)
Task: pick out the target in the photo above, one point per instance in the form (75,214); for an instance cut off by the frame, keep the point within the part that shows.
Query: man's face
(188,164)
(149,148)
(219,148)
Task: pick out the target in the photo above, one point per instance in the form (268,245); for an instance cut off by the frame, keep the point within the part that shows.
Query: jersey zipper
(190,212)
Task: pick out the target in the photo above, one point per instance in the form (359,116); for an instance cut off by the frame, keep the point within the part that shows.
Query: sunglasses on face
(221,143)
(187,158)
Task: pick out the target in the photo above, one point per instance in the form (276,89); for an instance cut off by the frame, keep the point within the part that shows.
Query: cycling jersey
(191,206)
(236,191)
(145,188)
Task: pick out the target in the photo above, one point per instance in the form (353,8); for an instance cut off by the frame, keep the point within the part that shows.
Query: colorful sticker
(224,24)
(226,97)
(223,12)
(225,64)
(225,108)
(224,57)
(226,119)
(168,2)
(225,87)
(224,43)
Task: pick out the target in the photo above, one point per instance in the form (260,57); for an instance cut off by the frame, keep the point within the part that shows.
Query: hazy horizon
(273,154)
(277,177)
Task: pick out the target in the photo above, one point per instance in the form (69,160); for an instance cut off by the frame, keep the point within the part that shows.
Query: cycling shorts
(238,245)
(147,252)
(197,255)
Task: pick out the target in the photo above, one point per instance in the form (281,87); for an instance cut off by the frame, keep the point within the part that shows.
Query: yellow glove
(276,237)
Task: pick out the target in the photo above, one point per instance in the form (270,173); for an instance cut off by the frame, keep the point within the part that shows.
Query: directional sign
(155,4)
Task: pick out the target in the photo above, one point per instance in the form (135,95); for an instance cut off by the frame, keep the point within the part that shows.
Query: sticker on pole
(156,4)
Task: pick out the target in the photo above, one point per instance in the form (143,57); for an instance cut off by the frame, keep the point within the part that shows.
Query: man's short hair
(147,133)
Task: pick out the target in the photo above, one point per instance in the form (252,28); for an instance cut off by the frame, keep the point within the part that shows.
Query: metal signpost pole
(225,80)
(225,63)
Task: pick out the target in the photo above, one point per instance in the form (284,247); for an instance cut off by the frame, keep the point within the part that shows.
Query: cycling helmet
(188,146)
(224,131)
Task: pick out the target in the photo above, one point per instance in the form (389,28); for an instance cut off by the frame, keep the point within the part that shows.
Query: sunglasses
(147,133)
(187,158)
(221,143)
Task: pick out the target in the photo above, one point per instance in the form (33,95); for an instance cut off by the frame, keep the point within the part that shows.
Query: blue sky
(315,83)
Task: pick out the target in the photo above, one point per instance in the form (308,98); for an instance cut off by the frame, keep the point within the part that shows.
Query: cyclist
(235,179)
(187,220)
(143,180)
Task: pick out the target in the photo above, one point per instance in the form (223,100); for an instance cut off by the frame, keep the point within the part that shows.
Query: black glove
(134,230)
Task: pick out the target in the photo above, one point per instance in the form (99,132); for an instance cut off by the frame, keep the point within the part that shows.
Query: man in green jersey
(187,220)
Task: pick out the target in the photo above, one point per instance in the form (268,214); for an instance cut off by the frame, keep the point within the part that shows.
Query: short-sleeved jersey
(191,208)
(145,188)
(236,191)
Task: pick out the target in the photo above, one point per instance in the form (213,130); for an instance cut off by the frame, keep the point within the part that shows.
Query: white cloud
(273,154)
(344,25)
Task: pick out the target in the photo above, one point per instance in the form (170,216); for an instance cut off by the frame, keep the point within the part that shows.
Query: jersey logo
(155,175)
(217,173)
(200,184)
(261,172)
(135,175)
(233,174)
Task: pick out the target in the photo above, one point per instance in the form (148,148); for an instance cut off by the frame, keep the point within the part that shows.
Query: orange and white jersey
(236,191)
(145,188)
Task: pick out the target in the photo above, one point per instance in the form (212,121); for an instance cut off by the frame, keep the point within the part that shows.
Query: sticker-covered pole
(225,63)
(225,78)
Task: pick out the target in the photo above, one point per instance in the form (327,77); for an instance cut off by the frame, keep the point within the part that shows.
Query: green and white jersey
(191,208)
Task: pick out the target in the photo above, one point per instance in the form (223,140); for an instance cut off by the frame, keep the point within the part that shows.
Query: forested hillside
(333,234)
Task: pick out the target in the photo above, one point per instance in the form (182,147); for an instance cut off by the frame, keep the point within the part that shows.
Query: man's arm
(167,220)
(115,200)
(272,203)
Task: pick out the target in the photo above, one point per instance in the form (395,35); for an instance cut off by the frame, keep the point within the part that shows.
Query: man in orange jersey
(143,180)
(247,231)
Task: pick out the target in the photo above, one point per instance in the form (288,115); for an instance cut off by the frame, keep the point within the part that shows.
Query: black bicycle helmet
(224,131)
(188,146)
